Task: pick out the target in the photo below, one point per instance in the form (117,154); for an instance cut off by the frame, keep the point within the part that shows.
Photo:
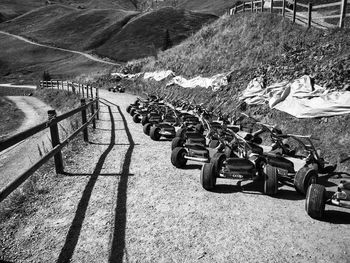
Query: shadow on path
(75,228)
(117,240)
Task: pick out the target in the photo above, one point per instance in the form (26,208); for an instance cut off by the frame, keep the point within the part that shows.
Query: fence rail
(92,106)
(84,90)
(290,11)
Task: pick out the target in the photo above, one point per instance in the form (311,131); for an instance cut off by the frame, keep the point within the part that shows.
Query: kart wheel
(304,178)
(180,132)
(315,201)
(144,120)
(176,142)
(132,111)
(128,109)
(270,180)
(218,162)
(147,128)
(208,176)
(136,118)
(154,133)
(178,157)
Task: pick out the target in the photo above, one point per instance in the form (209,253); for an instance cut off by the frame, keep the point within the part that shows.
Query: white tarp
(215,82)
(158,75)
(126,76)
(299,98)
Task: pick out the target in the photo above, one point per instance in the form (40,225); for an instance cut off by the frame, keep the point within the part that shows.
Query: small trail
(18,158)
(61,49)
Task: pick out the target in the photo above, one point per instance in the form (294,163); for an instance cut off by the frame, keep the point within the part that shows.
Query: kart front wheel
(178,157)
(304,178)
(144,120)
(180,132)
(128,109)
(315,201)
(218,162)
(132,111)
(208,176)
(136,118)
(147,128)
(154,133)
(176,142)
(270,180)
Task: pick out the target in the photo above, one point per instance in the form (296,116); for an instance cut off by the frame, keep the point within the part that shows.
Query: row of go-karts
(239,148)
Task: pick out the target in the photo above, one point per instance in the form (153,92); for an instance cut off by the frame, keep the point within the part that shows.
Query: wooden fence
(306,14)
(52,123)
(84,90)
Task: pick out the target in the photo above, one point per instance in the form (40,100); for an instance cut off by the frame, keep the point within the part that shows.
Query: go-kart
(317,197)
(164,127)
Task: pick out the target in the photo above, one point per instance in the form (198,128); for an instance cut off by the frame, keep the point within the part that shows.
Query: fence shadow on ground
(75,228)
(117,241)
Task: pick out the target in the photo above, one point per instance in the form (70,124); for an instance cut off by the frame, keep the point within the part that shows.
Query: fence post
(309,15)
(284,8)
(92,94)
(92,113)
(342,13)
(55,140)
(262,6)
(97,105)
(84,120)
(252,6)
(58,85)
(271,7)
(82,88)
(294,10)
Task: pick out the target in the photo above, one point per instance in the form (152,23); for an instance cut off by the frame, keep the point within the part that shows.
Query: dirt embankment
(121,200)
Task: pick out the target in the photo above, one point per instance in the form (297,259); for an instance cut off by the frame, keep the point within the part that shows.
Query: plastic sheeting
(214,82)
(299,98)
(158,75)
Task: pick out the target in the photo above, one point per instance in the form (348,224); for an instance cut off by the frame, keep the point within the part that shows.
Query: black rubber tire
(132,111)
(144,120)
(208,176)
(180,132)
(177,142)
(270,180)
(315,201)
(177,157)
(147,128)
(136,118)
(154,133)
(304,178)
(128,109)
(218,162)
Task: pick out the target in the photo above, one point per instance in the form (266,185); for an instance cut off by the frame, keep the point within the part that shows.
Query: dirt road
(61,49)
(18,158)
(121,200)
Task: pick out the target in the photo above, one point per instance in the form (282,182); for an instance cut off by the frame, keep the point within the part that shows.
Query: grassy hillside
(24,61)
(146,33)
(68,27)
(215,7)
(255,45)
(12,8)
(11,117)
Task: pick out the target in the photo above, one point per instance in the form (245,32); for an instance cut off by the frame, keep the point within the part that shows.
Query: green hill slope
(68,27)
(216,7)
(142,35)
(12,8)
(23,61)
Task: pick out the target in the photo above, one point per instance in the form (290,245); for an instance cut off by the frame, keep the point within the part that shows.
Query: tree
(167,43)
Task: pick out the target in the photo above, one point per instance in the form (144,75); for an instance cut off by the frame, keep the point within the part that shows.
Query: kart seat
(240,165)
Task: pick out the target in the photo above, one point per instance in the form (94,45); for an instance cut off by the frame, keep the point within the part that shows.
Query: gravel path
(121,200)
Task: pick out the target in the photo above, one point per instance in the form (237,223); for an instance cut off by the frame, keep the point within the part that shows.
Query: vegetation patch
(10,116)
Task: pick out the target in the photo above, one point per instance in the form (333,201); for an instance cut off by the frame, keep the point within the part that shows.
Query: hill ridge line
(88,56)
